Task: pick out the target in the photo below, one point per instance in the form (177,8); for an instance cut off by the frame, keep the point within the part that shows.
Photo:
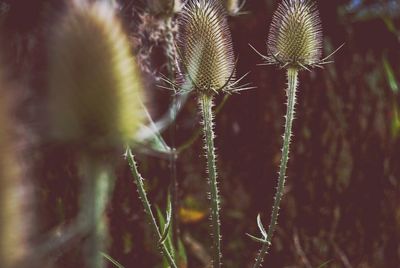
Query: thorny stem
(292,75)
(147,207)
(206,103)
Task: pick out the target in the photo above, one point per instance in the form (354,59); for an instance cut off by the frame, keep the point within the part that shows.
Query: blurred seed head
(295,36)
(205,47)
(94,83)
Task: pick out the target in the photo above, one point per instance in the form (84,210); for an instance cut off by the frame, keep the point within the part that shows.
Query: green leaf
(168,223)
(390,24)
(259,240)
(151,136)
(391,78)
(155,141)
(167,240)
(110,259)
(325,264)
(261,227)
(182,256)
(169,208)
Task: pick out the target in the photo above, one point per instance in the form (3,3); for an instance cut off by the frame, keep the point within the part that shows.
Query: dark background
(342,199)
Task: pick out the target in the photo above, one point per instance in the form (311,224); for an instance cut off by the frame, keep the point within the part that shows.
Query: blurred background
(342,202)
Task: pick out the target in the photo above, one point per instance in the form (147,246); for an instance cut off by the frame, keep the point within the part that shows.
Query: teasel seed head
(205,47)
(94,83)
(295,36)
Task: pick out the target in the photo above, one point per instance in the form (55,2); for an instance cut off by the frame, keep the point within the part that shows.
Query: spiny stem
(170,52)
(147,207)
(98,186)
(206,103)
(292,74)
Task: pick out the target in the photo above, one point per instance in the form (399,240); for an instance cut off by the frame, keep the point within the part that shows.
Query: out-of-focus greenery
(342,202)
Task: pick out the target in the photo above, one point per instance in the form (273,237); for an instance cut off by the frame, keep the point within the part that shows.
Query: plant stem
(206,103)
(98,185)
(170,52)
(292,75)
(147,207)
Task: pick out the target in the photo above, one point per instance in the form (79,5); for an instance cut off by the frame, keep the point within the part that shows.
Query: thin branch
(147,207)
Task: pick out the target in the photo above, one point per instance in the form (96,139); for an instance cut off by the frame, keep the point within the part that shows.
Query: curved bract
(205,47)
(295,36)
(95,85)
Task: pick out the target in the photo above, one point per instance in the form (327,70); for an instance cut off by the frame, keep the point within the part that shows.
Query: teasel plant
(207,68)
(167,11)
(294,44)
(95,104)
(158,28)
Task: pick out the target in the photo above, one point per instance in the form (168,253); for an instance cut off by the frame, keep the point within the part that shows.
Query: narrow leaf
(182,256)
(169,208)
(391,78)
(259,240)
(110,259)
(261,226)
(165,233)
(325,264)
(168,222)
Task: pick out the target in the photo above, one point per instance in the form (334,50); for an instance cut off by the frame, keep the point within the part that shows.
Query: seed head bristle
(295,36)
(205,46)
(233,7)
(95,86)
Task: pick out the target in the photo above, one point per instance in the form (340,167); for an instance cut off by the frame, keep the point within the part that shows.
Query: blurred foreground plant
(13,219)
(94,103)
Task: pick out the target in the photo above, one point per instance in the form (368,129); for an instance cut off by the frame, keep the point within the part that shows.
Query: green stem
(147,207)
(206,103)
(98,186)
(292,75)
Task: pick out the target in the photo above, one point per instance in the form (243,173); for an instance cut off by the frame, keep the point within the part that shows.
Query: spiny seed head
(94,84)
(205,47)
(295,37)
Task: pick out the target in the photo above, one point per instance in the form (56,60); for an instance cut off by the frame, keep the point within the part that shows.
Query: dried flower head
(295,37)
(164,7)
(95,85)
(205,47)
